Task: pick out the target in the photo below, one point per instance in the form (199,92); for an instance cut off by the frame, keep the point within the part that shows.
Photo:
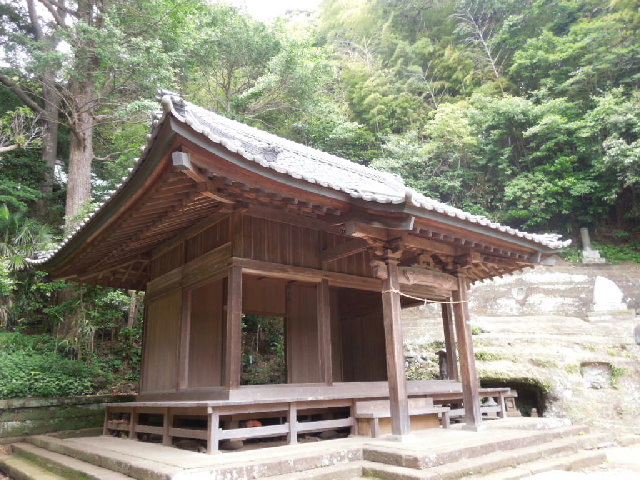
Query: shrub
(30,366)
(33,374)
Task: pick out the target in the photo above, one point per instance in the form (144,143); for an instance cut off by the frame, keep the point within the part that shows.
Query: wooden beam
(344,250)
(233,337)
(278,215)
(468,374)
(400,420)
(360,230)
(450,342)
(413,241)
(431,278)
(208,189)
(324,331)
(304,274)
(423,292)
(377,219)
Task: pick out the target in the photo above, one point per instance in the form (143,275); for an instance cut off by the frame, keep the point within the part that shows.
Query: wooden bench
(373,417)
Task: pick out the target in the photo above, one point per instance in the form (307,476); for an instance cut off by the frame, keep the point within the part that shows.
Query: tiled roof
(306,163)
(314,166)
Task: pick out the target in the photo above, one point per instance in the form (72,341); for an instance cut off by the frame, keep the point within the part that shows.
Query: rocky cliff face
(562,336)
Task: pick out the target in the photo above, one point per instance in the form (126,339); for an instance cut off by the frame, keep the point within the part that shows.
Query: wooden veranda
(218,220)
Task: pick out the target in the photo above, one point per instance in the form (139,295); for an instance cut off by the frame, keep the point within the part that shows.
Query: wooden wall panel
(206,336)
(303,365)
(276,242)
(355,303)
(161,343)
(357,264)
(364,354)
(363,342)
(263,296)
(166,262)
(207,240)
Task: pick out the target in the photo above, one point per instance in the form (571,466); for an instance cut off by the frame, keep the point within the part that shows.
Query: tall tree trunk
(80,158)
(133,308)
(49,114)
(49,140)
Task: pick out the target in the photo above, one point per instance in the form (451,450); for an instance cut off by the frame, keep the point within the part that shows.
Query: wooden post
(167,424)
(450,342)
(233,341)
(324,332)
(468,375)
(213,427)
(400,422)
(293,423)
(185,330)
(107,417)
(133,423)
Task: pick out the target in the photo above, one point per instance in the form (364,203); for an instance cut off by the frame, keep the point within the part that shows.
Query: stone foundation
(30,416)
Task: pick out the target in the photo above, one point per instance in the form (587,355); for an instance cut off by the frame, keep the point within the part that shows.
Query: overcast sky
(268,9)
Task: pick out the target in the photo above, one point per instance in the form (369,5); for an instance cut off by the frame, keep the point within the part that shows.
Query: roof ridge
(276,140)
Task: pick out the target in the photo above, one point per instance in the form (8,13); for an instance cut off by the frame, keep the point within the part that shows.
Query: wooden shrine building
(218,220)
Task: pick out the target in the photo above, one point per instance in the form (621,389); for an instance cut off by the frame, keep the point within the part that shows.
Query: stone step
(491,461)
(145,461)
(22,469)
(107,459)
(573,462)
(64,465)
(627,440)
(391,456)
(349,471)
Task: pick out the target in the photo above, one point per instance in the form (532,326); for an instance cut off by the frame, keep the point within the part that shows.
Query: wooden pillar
(185,331)
(400,423)
(233,337)
(324,332)
(468,375)
(450,341)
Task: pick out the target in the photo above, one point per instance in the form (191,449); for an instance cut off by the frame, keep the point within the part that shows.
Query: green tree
(111,58)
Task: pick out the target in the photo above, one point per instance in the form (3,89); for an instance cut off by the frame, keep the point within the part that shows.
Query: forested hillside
(527,111)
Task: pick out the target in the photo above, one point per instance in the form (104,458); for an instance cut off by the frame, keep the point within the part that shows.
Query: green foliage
(31,367)
(629,252)
(476,330)
(616,373)
(572,254)
(423,371)
(489,356)
(263,354)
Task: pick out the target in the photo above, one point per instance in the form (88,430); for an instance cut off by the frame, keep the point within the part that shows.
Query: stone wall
(538,327)
(566,289)
(31,416)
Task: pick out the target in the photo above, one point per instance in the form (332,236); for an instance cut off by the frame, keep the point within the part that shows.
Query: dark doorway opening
(532,393)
